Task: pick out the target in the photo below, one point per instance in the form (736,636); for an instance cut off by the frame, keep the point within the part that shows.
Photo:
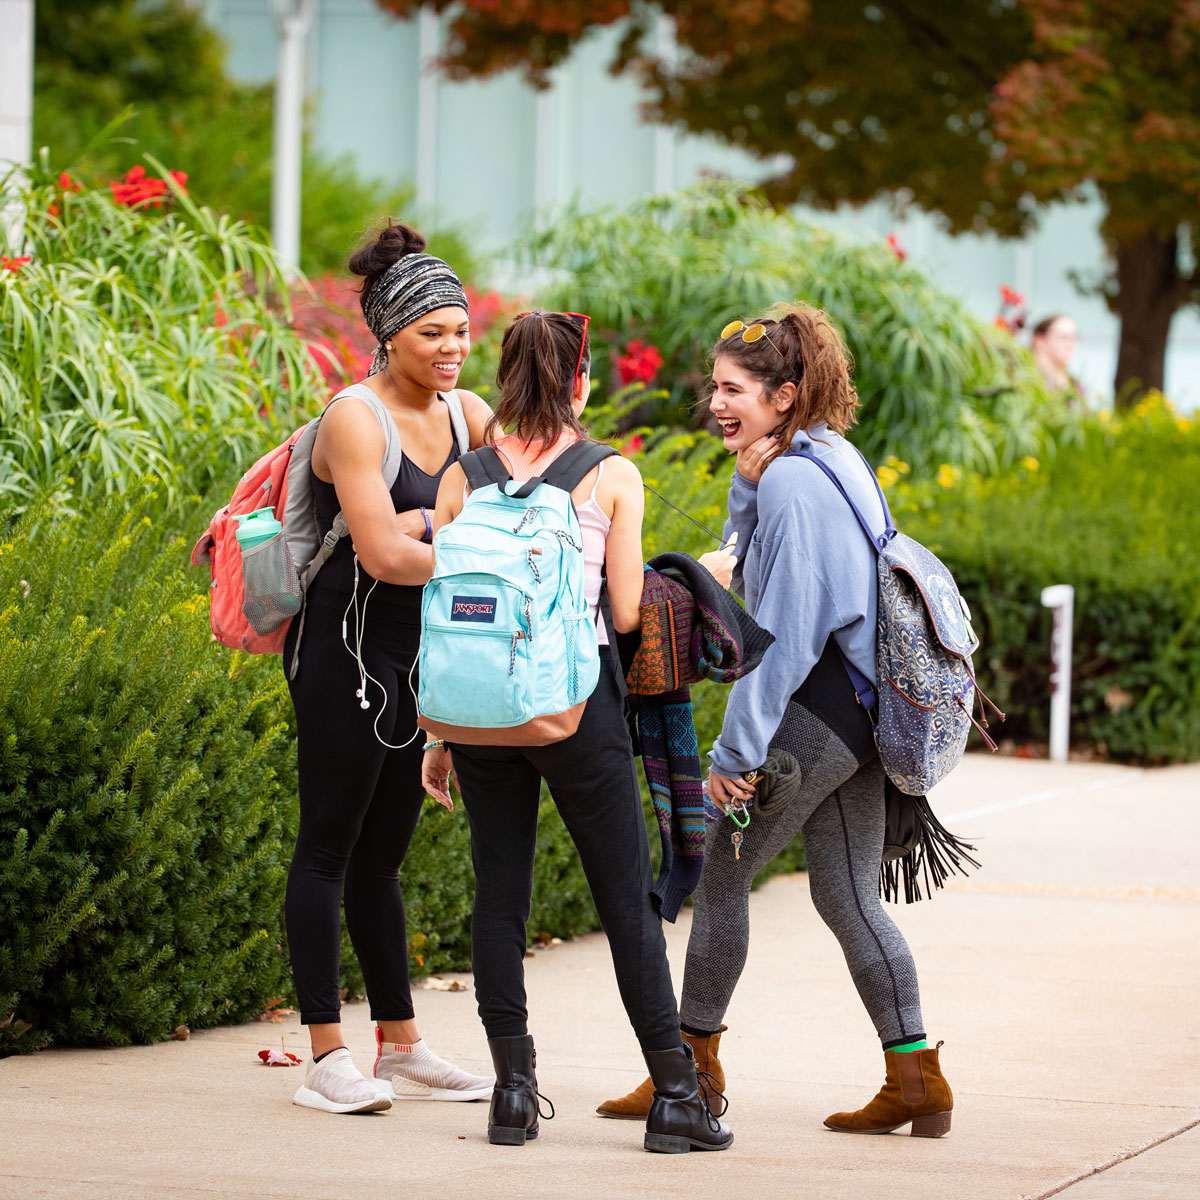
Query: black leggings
(593,780)
(359,806)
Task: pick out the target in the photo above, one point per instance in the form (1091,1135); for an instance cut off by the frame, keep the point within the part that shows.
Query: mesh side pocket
(271,585)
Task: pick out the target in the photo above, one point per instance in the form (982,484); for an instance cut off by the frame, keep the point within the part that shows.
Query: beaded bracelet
(434,744)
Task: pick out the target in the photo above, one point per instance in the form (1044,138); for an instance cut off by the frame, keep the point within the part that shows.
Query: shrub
(937,385)
(1112,510)
(144,788)
(148,799)
(1115,514)
(142,336)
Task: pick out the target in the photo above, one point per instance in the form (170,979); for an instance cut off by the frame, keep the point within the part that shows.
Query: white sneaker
(336,1085)
(416,1073)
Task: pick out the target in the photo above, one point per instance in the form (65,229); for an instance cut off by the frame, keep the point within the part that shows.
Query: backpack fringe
(938,854)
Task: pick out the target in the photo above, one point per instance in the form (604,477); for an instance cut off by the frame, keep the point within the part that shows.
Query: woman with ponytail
(359,750)
(544,384)
(781,389)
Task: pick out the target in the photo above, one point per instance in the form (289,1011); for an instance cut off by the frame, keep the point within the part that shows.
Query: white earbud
(364,703)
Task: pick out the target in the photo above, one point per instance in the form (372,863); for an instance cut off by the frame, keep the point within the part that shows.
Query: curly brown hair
(811,354)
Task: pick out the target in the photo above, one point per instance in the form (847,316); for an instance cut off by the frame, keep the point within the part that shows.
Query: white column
(292,21)
(429,35)
(1060,599)
(16,99)
(664,135)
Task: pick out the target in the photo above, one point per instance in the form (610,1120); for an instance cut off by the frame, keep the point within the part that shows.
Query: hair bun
(392,243)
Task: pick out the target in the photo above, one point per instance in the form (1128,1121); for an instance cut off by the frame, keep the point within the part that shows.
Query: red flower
(53,210)
(1008,296)
(13,264)
(136,188)
(1005,324)
(894,242)
(67,184)
(640,362)
(632,446)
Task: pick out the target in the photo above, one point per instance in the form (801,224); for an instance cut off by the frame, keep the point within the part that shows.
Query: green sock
(911,1047)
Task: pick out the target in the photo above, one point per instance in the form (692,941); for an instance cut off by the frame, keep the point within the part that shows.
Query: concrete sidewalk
(1063,978)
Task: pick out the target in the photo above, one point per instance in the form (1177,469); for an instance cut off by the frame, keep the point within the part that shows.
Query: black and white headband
(411,287)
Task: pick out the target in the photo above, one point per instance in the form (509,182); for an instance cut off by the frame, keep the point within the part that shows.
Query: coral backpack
(257,591)
(509,653)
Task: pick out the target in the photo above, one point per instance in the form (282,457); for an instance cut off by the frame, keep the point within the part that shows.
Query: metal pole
(292,21)
(1060,599)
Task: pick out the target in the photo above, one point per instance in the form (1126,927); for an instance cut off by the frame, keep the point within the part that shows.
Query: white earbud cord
(365,676)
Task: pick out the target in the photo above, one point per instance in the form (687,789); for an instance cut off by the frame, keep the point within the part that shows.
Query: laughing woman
(360,780)
(782,388)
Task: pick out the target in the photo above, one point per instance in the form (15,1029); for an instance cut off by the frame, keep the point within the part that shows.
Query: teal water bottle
(256,527)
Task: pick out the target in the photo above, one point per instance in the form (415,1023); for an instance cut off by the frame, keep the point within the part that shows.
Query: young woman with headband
(360,779)
(781,386)
(543,384)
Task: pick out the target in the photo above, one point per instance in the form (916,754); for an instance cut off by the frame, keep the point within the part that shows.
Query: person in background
(1055,342)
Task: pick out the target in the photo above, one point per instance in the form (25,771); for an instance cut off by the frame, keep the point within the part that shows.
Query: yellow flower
(887,477)
(947,475)
(903,468)
(1104,416)
(1030,463)
(1183,424)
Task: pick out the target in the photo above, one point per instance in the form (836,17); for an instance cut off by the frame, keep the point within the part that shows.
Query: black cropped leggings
(359,806)
(593,781)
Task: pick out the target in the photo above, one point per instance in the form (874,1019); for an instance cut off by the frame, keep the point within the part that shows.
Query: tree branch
(926,33)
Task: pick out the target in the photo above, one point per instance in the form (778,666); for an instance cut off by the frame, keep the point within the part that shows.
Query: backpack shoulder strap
(569,468)
(483,467)
(458,420)
(878,543)
(391,453)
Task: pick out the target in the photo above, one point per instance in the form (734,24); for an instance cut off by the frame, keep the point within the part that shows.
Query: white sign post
(1060,599)
(292,21)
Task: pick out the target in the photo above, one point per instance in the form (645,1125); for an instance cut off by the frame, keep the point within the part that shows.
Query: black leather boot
(513,1115)
(680,1118)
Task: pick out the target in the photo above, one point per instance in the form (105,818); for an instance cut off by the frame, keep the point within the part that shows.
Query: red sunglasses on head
(578,318)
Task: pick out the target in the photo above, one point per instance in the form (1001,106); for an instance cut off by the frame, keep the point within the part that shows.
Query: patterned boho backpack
(924,641)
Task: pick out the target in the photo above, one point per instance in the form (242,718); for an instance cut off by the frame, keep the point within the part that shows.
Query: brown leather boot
(915,1091)
(636,1106)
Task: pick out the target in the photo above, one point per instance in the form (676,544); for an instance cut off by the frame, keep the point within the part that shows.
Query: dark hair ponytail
(537,357)
(802,347)
(392,243)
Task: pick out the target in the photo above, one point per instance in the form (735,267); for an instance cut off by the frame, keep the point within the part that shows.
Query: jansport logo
(473,608)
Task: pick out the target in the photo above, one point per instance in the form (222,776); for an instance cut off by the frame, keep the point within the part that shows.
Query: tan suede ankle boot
(915,1093)
(636,1106)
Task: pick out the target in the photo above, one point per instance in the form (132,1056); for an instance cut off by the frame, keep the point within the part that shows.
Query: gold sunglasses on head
(751,334)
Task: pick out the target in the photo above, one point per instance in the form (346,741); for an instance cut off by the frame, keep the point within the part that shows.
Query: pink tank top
(527,459)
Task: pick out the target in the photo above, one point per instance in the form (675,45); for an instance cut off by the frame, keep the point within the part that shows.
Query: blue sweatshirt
(806,571)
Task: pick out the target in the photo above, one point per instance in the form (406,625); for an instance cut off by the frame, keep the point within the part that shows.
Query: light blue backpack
(509,653)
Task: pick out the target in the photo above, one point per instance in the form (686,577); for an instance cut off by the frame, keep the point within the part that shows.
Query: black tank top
(334,583)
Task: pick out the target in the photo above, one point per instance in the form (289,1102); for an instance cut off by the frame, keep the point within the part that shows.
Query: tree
(980,112)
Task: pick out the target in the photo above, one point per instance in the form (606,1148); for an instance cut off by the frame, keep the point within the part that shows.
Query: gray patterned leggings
(840,811)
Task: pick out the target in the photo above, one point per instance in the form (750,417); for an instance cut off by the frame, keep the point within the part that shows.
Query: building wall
(487,157)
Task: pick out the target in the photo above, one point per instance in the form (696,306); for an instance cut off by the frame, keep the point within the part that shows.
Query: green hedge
(1116,514)
(148,798)
(1114,511)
